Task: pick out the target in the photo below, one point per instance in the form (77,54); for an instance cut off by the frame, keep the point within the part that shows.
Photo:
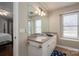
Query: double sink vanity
(41,44)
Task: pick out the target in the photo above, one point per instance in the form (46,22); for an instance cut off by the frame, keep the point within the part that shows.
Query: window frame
(40,27)
(29,29)
(61,26)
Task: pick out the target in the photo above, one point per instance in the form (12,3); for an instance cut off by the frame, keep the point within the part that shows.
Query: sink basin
(41,38)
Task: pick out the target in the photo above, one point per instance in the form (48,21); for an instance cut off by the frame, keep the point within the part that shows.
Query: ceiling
(8,6)
(50,6)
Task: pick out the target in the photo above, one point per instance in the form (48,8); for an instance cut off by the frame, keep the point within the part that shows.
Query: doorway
(6,29)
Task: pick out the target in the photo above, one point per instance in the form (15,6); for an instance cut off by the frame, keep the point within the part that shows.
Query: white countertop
(39,39)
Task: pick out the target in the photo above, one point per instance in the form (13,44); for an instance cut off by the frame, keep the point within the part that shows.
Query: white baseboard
(69,48)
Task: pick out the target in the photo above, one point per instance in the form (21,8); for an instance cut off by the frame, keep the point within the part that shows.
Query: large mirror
(37,19)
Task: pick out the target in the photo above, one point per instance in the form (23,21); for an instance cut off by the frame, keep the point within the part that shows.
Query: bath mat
(57,53)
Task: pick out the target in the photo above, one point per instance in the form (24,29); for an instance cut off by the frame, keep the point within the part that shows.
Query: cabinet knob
(40,46)
(15,37)
(48,46)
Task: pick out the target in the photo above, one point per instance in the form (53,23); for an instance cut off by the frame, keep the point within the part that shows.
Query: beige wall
(54,24)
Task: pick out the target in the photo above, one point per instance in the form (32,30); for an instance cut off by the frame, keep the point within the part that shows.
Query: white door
(15,29)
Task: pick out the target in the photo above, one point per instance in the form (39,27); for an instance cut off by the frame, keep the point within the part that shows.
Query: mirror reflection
(37,19)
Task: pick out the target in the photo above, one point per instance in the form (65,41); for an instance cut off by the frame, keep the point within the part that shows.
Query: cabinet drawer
(34,44)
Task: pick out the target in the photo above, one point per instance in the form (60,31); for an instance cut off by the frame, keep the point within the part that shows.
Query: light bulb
(44,14)
(41,13)
(36,12)
(1,13)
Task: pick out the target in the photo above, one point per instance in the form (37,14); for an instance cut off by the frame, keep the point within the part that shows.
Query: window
(70,28)
(38,26)
(29,27)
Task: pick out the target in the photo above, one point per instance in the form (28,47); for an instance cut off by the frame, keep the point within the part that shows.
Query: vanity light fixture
(3,12)
(40,11)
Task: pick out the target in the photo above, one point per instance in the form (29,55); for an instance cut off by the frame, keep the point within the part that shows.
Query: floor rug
(57,53)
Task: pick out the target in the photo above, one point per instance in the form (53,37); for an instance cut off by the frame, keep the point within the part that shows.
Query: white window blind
(38,26)
(70,25)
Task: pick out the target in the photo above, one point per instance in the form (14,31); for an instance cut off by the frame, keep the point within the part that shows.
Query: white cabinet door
(34,51)
(50,47)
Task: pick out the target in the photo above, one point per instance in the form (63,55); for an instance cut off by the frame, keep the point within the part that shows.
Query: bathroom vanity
(41,45)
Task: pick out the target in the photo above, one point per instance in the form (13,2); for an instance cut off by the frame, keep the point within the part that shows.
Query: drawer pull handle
(28,43)
(40,46)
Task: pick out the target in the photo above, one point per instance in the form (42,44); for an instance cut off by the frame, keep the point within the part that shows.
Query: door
(15,29)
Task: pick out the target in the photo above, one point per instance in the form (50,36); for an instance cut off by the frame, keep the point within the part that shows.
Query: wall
(2,22)
(45,23)
(1,26)
(54,24)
